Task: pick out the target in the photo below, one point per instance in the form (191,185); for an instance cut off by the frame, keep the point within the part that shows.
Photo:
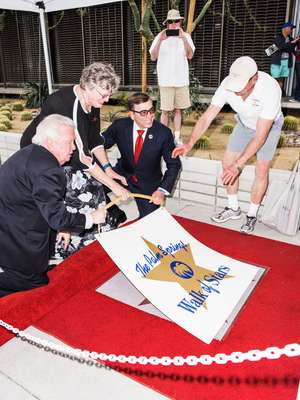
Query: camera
(271,50)
(172,32)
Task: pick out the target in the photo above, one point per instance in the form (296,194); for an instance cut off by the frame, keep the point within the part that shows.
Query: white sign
(196,287)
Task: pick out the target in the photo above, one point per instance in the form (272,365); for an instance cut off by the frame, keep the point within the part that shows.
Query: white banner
(196,287)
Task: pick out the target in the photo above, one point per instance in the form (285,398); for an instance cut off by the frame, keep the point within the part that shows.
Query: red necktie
(138,145)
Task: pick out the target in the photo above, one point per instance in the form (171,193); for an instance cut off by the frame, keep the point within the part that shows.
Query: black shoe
(115,216)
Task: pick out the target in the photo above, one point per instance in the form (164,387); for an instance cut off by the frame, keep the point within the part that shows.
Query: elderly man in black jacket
(282,59)
(32,188)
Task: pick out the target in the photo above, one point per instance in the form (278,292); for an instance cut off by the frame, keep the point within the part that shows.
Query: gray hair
(100,74)
(49,128)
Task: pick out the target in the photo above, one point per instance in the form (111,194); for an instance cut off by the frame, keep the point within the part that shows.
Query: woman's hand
(114,175)
(99,215)
(119,191)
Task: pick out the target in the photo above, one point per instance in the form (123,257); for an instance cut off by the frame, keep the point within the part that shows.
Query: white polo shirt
(263,103)
(172,63)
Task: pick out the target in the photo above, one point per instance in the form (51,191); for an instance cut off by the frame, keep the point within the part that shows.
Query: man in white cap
(256,98)
(172,48)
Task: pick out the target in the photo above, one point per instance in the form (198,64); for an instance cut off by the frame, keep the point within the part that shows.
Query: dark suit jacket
(32,187)
(158,144)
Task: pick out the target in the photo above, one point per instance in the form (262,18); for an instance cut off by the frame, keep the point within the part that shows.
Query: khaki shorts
(174,97)
(242,135)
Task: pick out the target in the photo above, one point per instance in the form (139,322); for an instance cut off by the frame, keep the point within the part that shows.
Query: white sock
(252,212)
(233,202)
(177,135)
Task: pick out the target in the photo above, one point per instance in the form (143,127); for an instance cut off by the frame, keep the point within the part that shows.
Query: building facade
(231,28)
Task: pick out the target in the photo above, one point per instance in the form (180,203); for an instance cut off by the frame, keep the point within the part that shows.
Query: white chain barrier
(271,353)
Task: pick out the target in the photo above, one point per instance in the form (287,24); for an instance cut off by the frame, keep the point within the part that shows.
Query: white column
(46,50)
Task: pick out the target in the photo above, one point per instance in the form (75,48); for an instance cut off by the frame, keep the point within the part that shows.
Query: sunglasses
(144,113)
(173,21)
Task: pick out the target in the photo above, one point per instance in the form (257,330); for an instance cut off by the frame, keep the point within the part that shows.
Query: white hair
(99,74)
(50,128)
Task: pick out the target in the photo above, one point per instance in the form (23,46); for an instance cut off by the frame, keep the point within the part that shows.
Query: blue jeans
(297,89)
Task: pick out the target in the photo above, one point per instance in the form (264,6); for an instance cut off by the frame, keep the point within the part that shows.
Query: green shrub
(122,98)
(5,108)
(202,143)
(36,94)
(26,115)
(17,107)
(216,121)
(281,141)
(3,128)
(7,113)
(111,116)
(290,123)
(157,115)
(5,121)
(227,128)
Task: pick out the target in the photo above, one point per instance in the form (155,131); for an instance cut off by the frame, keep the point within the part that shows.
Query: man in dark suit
(32,187)
(143,142)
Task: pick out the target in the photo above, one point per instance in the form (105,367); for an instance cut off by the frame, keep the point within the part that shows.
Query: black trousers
(11,282)
(115,216)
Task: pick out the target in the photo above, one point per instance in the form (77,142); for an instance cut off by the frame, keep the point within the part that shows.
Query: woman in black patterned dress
(82,103)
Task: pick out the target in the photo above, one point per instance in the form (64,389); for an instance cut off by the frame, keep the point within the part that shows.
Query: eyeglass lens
(103,96)
(173,21)
(144,113)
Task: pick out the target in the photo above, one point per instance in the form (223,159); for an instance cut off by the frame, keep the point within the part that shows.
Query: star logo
(179,267)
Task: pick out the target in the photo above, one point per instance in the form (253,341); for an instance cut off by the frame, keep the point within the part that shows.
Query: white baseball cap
(242,69)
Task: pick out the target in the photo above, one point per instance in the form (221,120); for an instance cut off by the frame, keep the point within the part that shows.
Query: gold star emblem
(180,267)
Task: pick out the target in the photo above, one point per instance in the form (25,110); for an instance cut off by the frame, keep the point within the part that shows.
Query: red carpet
(71,310)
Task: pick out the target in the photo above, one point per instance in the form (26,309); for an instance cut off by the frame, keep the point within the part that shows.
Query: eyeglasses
(103,96)
(173,21)
(144,113)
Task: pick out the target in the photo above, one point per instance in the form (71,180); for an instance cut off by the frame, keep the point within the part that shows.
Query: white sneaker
(249,225)
(226,214)
(294,101)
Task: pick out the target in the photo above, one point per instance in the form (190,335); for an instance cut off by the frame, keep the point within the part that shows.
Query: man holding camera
(282,59)
(172,48)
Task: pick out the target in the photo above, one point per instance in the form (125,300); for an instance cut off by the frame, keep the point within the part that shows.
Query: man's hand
(157,198)
(119,191)
(181,33)
(181,150)
(65,238)
(112,174)
(163,36)
(99,215)
(230,174)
